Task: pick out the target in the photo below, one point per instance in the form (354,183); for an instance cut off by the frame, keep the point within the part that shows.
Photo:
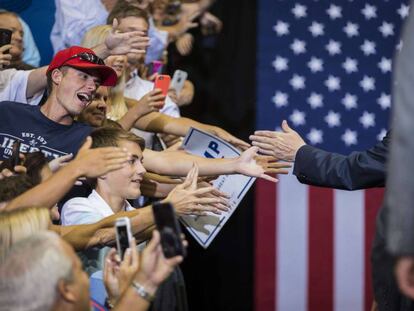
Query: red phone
(162,82)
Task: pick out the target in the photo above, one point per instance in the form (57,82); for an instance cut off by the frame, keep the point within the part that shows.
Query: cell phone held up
(123,235)
(178,80)
(5,36)
(15,157)
(162,82)
(155,67)
(169,228)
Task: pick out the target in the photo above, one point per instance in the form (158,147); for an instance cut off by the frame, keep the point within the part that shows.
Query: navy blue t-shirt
(36,132)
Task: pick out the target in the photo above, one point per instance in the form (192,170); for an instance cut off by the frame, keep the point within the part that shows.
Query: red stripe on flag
(320,249)
(265,244)
(373,202)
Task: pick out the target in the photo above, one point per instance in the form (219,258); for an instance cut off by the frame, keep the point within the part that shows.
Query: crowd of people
(80,147)
(89,139)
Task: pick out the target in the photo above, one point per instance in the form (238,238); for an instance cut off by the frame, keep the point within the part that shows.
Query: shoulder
(77,211)
(78,203)
(16,106)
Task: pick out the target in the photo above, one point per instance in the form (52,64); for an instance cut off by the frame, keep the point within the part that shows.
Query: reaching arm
(160,123)
(102,233)
(179,163)
(89,163)
(317,167)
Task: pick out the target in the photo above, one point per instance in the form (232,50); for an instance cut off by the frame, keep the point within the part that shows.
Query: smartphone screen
(5,36)
(169,228)
(122,235)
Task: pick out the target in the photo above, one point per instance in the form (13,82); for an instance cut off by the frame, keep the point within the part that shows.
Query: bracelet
(142,292)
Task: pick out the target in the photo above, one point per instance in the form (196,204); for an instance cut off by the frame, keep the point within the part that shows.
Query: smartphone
(178,80)
(123,235)
(155,66)
(15,157)
(162,82)
(170,231)
(5,36)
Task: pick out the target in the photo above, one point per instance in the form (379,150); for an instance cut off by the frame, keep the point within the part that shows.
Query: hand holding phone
(169,228)
(123,235)
(162,82)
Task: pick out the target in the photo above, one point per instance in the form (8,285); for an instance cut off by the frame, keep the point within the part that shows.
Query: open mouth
(85,98)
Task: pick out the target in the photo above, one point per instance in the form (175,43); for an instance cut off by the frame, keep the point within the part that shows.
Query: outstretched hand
(251,164)
(124,43)
(281,145)
(96,162)
(188,199)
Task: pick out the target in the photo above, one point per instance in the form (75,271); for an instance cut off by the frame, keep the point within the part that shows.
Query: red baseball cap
(83,58)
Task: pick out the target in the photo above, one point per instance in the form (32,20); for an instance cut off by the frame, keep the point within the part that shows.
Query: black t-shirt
(36,132)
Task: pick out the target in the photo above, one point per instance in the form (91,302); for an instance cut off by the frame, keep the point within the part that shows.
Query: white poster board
(205,228)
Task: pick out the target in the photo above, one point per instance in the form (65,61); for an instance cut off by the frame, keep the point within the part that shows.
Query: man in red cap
(73,77)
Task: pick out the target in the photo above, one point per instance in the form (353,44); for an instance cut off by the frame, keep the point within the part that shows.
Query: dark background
(223,71)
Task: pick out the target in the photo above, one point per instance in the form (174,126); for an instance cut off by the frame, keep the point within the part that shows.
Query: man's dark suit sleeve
(359,170)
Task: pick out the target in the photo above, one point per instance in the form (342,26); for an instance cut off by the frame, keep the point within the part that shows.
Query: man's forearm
(102,233)
(179,163)
(49,192)
(160,123)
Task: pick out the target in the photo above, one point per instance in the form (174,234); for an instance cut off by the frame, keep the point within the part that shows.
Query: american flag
(325,67)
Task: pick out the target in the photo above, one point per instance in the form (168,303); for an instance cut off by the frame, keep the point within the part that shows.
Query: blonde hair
(19,224)
(116,103)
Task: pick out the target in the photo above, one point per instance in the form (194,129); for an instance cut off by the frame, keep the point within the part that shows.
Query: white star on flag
(315,64)
(333,83)
(333,47)
(315,100)
(315,136)
(367,84)
(381,134)
(350,65)
(333,119)
(384,101)
(387,29)
(351,30)
(297,82)
(298,46)
(403,10)
(316,29)
(349,137)
(349,101)
(385,65)
(369,11)
(280,99)
(297,117)
(299,11)
(368,47)
(280,63)
(334,11)
(281,28)
(367,119)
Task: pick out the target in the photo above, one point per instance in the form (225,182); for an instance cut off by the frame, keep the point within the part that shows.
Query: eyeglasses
(89,57)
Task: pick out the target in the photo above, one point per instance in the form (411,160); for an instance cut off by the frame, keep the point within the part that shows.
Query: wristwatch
(142,292)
